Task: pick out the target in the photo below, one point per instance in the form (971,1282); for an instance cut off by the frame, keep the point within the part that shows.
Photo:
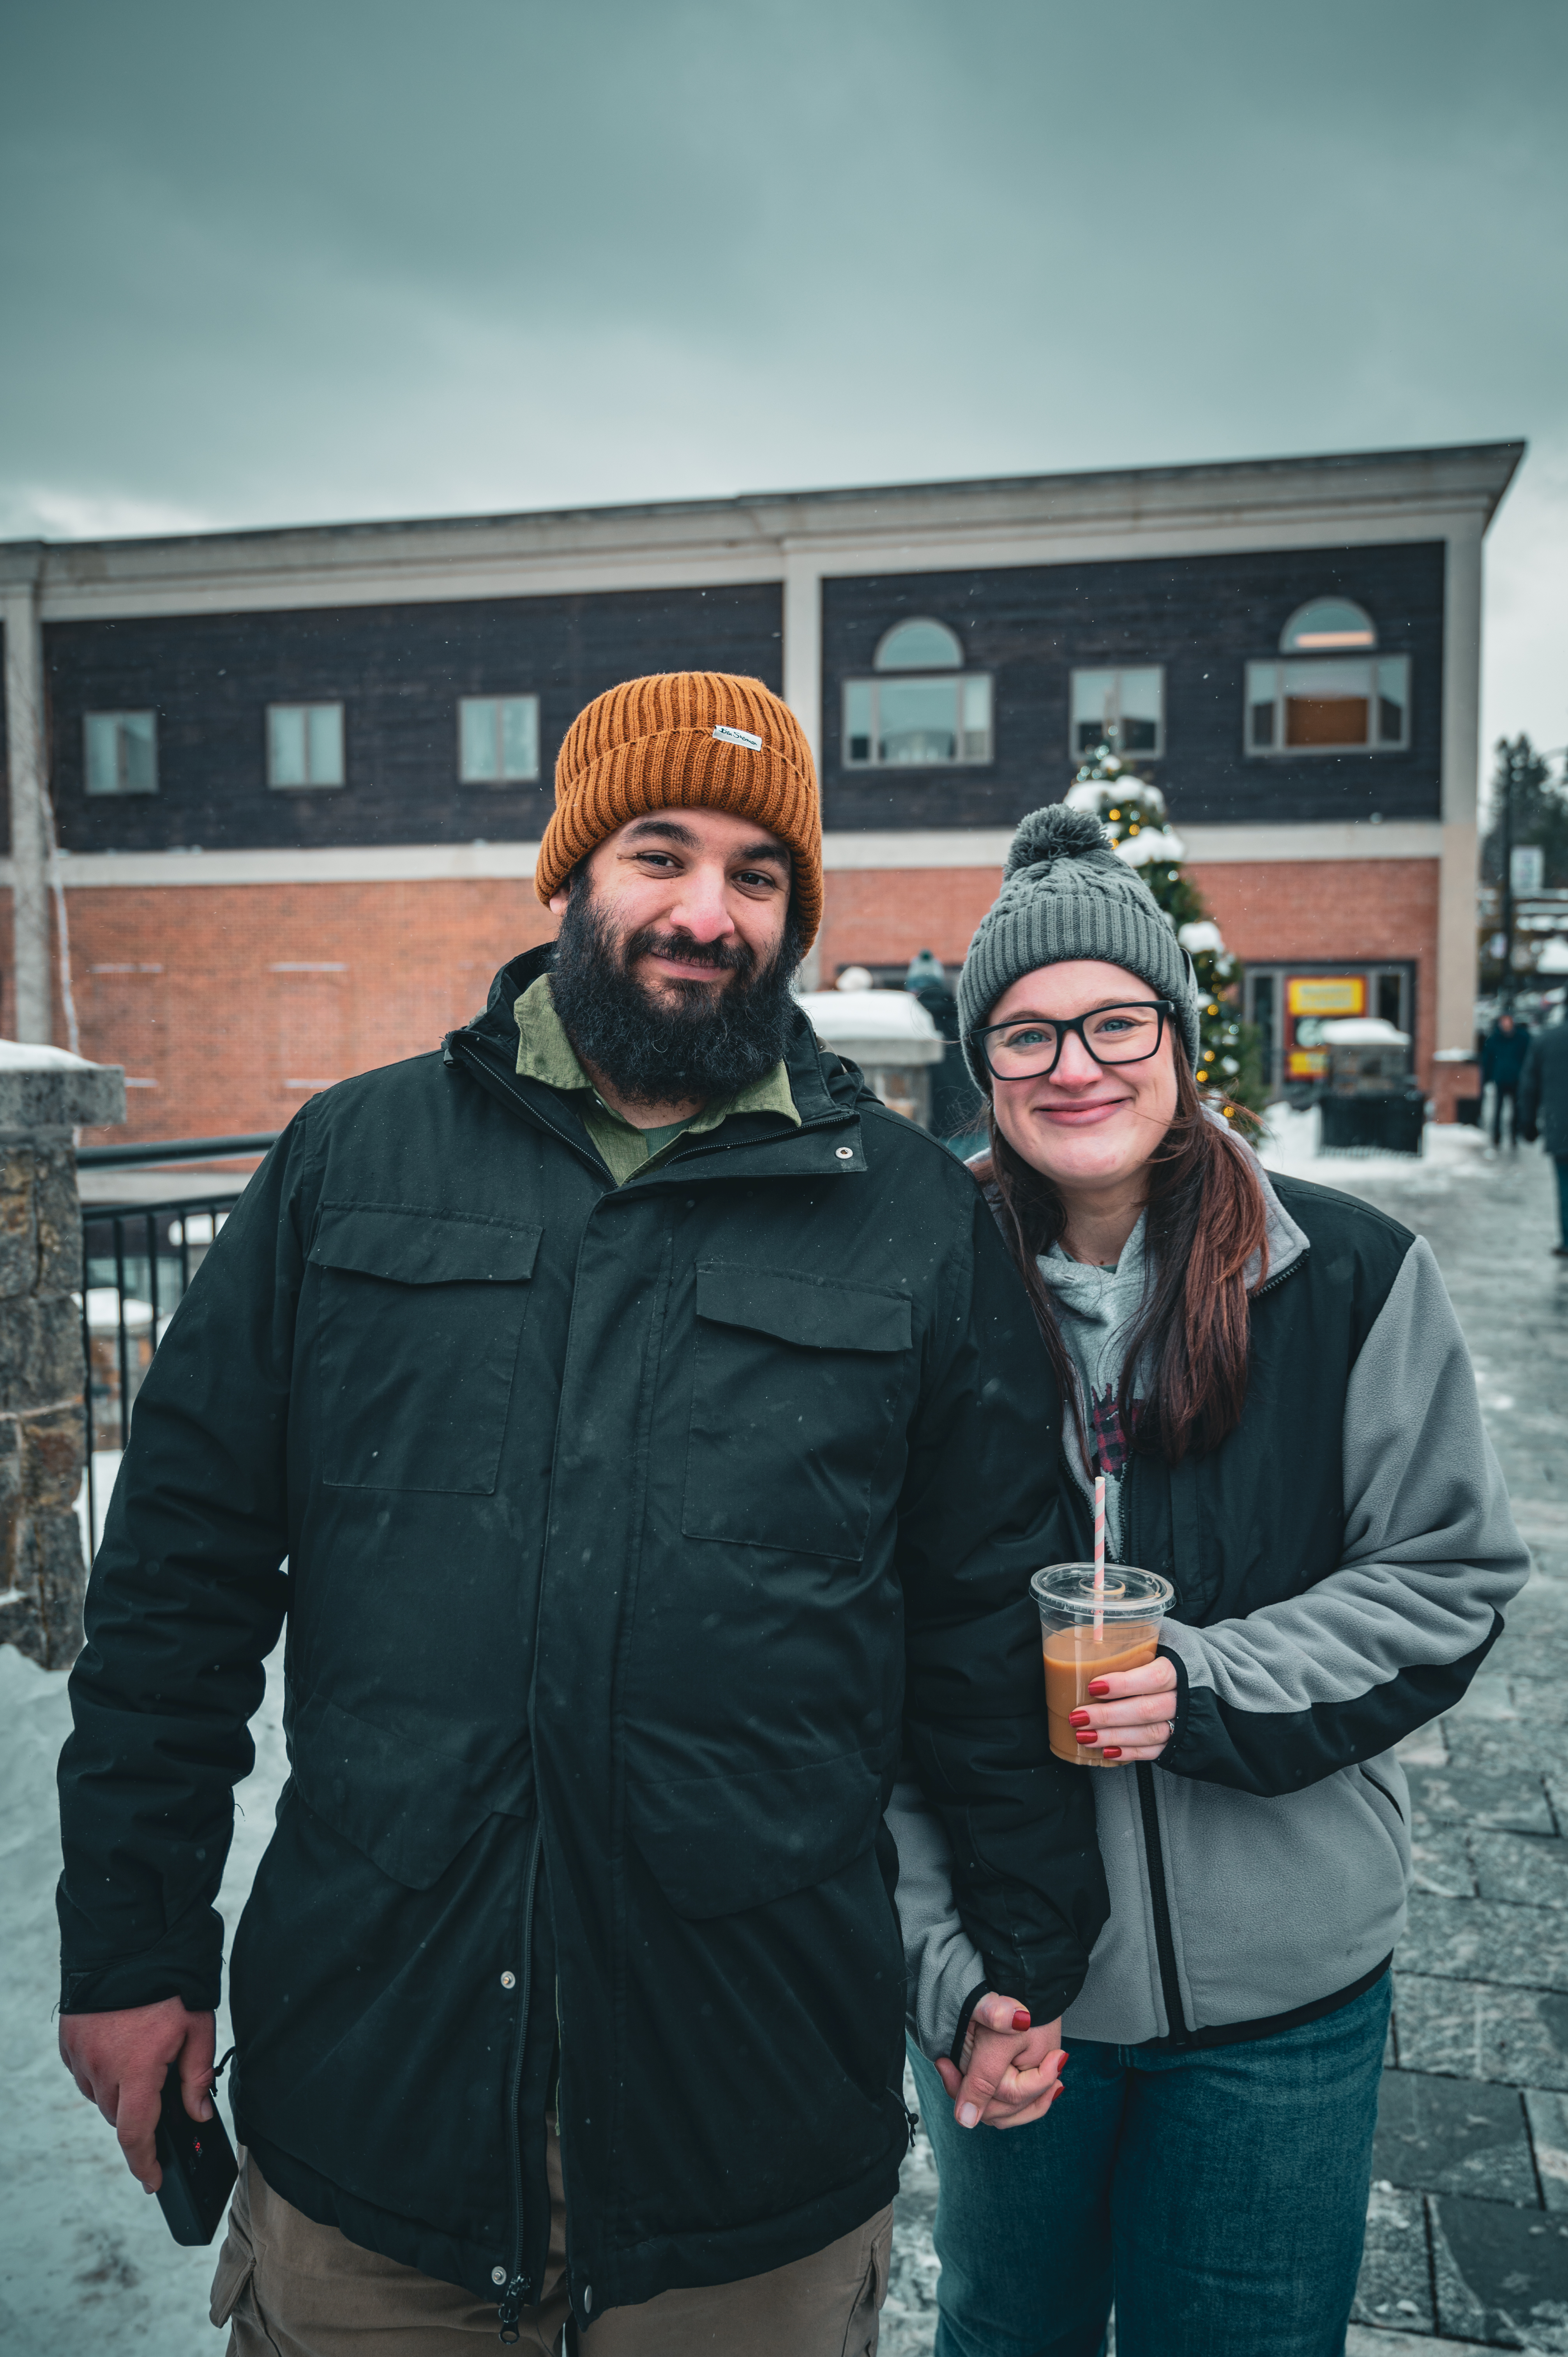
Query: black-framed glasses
(1030,1048)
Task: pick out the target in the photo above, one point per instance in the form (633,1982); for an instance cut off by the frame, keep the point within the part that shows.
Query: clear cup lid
(1067,1589)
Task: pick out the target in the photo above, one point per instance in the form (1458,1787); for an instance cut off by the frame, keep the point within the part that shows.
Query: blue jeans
(1217,2196)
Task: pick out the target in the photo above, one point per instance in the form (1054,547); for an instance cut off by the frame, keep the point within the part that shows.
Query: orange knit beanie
(686,740)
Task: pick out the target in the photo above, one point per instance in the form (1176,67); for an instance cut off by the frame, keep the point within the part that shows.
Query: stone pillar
(45,1094)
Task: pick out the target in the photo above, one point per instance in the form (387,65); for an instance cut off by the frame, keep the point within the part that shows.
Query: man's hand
(120,2062)
(1131,1714)
(1011,2073)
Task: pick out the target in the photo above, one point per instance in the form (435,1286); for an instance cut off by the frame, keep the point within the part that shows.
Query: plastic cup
(1130,1611)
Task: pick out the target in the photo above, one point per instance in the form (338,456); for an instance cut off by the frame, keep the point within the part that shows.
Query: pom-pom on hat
(1066,894)
(686,740)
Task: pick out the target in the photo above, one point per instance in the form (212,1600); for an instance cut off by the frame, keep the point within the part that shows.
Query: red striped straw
(1098,1555)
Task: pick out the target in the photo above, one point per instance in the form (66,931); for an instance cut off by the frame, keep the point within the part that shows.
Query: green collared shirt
(545,1053)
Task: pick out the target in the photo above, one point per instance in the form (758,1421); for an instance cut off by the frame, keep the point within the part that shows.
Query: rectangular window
(122,753)
(1317,706)
(304,745)
(497,740)
(1124,709)
(901,722)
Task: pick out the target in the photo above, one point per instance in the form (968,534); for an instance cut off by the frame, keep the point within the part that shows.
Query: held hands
(120,2062)
(1132,1713)
(1011,2073)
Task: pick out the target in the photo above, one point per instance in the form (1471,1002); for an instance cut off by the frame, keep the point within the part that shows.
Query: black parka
(630,1532)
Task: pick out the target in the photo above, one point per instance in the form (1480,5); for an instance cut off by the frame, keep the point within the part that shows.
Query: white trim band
(1330,839)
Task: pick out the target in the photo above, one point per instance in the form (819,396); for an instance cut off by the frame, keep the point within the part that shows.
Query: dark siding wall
(1203,618)
(398,672)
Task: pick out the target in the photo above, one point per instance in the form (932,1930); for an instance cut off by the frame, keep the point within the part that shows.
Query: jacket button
(508,1980)
(843,1152)
(587,2299)
(498,2274)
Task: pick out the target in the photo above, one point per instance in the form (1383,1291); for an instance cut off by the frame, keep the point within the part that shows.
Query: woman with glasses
(1271,1380)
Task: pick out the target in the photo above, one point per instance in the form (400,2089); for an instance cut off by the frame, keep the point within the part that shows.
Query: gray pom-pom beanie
(1066,893)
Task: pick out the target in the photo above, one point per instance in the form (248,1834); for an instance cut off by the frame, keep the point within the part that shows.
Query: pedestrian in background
(1543,1111)
(656,1435)
(1504,1051)
(1273,1379)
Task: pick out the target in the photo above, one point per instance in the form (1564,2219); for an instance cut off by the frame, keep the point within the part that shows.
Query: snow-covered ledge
(45,1094)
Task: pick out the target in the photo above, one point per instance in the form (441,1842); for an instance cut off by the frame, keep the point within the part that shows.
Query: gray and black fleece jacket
(1341,1564)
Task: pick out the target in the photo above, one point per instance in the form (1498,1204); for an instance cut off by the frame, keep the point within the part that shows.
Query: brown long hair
(1206,1222)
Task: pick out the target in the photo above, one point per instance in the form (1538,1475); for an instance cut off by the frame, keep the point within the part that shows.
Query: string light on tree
(1133,812)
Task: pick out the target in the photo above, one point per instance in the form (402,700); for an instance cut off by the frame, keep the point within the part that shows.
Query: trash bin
(886,1032)
(1369,1103)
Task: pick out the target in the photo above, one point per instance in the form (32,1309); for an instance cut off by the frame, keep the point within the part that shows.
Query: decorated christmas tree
(1133,811)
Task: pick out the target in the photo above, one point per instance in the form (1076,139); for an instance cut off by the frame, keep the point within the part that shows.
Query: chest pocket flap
(421,1314)
(407,1245)
(795,1385)
(818,1313)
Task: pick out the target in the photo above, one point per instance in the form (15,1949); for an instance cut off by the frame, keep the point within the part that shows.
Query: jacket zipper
(1159,1901)
(1269,1283)
(1154,1848)
(517,2288)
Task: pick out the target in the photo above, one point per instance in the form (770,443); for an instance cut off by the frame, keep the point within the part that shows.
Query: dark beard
(657,1052)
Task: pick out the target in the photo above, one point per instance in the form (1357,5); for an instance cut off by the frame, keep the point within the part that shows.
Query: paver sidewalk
(1468,2230)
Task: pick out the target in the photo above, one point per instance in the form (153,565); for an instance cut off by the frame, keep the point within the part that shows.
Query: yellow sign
(1306,1063)
(1327,994)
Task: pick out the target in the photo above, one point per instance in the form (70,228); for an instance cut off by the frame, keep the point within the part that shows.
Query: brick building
(295,779)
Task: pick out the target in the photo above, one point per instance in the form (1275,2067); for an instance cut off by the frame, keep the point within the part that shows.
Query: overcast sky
(325,258)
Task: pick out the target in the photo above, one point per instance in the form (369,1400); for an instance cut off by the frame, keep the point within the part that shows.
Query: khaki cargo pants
(288,2287)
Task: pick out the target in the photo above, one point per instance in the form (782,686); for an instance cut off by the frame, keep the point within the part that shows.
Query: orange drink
(1086,1635)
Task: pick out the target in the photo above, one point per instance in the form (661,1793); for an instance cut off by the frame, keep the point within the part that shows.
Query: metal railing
(137,1259)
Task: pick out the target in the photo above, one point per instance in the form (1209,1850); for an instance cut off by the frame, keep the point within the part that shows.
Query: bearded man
(656,1436)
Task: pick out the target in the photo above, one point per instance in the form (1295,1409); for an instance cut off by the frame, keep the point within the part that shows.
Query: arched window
(919,646)
(1325,624)
(921,709)
(1330,693)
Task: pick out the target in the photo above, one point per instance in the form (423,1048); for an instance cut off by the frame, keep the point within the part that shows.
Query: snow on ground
(1450,1153)
(86,2260)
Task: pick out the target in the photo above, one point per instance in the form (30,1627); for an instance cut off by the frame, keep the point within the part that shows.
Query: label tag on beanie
(737,737)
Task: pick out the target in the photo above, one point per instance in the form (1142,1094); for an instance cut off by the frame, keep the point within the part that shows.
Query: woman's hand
(1012,2071)
(1131,1713)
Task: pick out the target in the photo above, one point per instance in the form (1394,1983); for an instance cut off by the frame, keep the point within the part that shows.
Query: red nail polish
(1099,1688)
(1087,1735)
(1020,2019)
(1078,1718)
(1111,1751)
